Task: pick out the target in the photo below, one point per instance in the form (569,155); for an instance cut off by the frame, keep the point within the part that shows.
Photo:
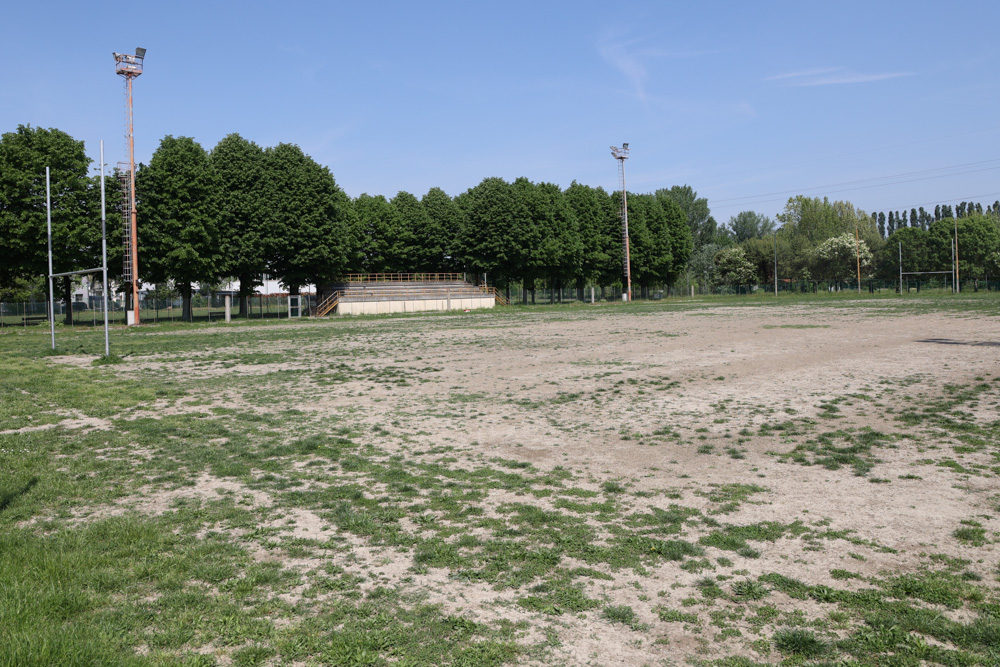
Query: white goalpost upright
(104,259)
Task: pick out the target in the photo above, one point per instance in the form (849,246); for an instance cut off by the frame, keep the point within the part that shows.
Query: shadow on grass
(7,498)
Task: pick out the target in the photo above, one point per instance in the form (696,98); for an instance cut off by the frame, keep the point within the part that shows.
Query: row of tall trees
(244,211)
(921,219)
(826,240)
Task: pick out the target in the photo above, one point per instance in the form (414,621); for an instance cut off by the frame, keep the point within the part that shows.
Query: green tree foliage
(819,219)
(76,227)
(448,220)
(421,242)
(702,225)
(239,165)
(701,266)
(978,242)
(836,259)
(377,228)
(493,242)
(660,239)
(549,240)
(760,252)
(748,225)
(733,266)
(178,217)
(600,235)
(312,220)
(917,255)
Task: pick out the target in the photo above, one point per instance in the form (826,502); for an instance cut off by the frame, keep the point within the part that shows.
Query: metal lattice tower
(124,175)
(621,154)
(129,67)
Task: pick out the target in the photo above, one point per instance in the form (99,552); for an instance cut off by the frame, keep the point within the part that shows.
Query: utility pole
(857,246)
(775,265)
(621,154)
(958,279)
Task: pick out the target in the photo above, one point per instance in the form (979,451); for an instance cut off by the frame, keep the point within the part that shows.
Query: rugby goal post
(104,258)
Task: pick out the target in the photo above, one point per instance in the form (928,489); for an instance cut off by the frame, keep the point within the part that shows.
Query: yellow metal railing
(500,297)
(401,277)
(326,306)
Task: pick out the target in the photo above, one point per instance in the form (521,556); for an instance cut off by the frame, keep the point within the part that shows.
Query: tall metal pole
(954,267)
(958,279)
(621,154)
(48,216)
(133,222)
(857,243)
(900,268)
(104,257)
(775,265)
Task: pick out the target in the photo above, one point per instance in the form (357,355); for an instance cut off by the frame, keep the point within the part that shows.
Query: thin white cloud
(618,54)
(832,76)
(804,73)
(853,77)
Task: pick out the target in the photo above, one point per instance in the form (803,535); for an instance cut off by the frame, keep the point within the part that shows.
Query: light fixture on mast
(129,67)
(621,154)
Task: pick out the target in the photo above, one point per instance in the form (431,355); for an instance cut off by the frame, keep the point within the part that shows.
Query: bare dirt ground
(589,391)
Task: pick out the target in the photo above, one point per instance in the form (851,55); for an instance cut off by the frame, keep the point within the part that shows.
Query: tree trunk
(580,285)
(246,289)
(67,293)
(187,313)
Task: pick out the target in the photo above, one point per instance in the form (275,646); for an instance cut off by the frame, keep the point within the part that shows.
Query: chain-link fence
(151,310)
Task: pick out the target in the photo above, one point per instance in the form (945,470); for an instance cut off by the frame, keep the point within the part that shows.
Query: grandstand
(381,293)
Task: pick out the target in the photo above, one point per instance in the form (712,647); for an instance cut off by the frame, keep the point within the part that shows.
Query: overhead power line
(868,180)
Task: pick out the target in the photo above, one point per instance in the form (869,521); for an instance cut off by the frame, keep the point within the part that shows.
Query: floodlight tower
(621,154)
(129,67)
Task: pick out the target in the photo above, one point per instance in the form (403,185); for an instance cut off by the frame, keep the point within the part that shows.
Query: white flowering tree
(734,267)
(837,258)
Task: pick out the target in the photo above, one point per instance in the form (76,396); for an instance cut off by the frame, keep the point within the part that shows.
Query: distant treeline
(921,219)
(243,211)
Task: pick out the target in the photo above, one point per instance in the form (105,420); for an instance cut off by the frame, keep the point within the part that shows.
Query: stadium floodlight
(621,154)
(140,52)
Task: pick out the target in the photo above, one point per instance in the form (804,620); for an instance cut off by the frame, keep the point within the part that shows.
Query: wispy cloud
(630,55)
(622,54)
(832,76)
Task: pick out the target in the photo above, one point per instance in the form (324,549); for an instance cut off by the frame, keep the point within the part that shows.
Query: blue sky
(889,105)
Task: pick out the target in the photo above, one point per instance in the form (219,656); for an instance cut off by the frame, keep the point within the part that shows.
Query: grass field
(723,481)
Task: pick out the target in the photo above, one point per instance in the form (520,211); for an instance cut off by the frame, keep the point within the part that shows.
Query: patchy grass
(313,493)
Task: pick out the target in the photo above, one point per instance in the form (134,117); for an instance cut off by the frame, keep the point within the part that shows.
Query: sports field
(720,482)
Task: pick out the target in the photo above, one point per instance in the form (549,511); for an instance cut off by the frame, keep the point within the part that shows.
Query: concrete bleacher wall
(383,297)
(414,305)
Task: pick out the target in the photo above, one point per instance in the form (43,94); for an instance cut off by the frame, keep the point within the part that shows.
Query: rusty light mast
(129,67)
(621,154)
